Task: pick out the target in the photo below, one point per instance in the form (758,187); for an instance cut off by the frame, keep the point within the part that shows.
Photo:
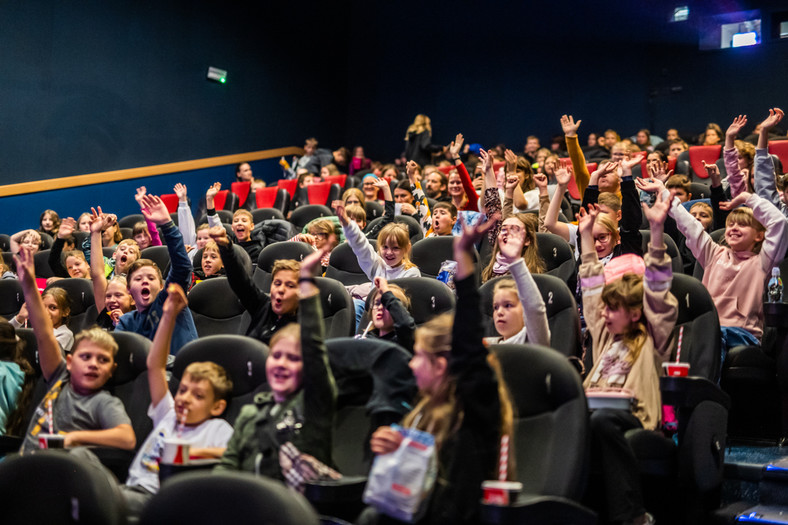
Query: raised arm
(423,214)
(210,208)
(155,240)
(580,169)
(180,264)
(551,222)
(534,310)
(98,222)
(659,305)
(775,240)
(185,217)
(160,348)
(540,179)
(56,253)
(240,280)
(731,156)
(368,258)
(765,185)
(404,325)
(49,354)
(467,184)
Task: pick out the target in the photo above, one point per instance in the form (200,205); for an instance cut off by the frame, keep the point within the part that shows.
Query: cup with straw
(501,491)
(677,368)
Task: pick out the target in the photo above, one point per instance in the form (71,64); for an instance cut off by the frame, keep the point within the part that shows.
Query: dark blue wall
(91,86)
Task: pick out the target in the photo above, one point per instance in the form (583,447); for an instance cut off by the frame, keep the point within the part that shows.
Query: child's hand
(341,215)
(180,191)
(659,171)
(511,183)
(25,266)
(511,160)
(649,185)
(67,227)
(176,300)
(456,146)
(736,126)
(211,193)
(628,164)
(313,259)
(737,201)
(562,176)
(141,192)
(604,169)
(115,315)
(513,246)
(407,208)
(500,178)
(471,234)
(381,284)
(657,213)
(308,238)
(711,169)
(774,118)
(410,169)
(385,440)
(540,179)
(586,219)
(219,235)
(155,210)
(569,125)
(23,315)
(487,160)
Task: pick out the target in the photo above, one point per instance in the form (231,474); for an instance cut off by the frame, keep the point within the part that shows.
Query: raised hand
(631,162)
(141,192)
(411,168)
(25,265)
(513,246)
(67,227)
(562,176)
(650,185)
(180,191)
(176,300)
(339,206)
(384,187)
(511,160)
(511,183)
(211,192)
(569,125)
(659,171)
(487,161)
(540,179)
(736,126)
(585,219)
(219,235)
(712,170)
(309,262)
(456,146)
(381,284)
(604,169)
(657,213)
(774,118)
(737,201)
(155,210)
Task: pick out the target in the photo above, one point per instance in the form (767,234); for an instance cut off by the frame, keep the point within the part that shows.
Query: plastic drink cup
(176,452)
(46,441)
(676,369)
(501,492)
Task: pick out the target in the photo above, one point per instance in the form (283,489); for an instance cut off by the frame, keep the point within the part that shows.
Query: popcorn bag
(400,482)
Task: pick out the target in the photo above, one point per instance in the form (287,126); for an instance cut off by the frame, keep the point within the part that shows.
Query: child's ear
(218,408)
(635,314)
(441,366)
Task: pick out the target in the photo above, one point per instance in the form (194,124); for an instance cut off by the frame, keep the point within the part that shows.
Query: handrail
(145,171)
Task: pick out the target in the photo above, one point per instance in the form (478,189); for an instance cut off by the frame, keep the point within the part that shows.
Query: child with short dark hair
(82,411)
(243,224)
(145,282)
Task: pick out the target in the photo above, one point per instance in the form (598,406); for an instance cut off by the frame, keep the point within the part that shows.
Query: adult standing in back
(418,141)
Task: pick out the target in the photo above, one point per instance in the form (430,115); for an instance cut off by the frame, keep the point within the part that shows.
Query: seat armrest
(347,488)
(116,460)
(545,510)
(687,392)
(10,444)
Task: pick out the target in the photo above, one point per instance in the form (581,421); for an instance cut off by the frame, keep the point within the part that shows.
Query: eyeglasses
(603,238)
(377,304)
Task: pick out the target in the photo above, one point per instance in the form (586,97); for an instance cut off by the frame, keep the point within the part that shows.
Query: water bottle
(775,287)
